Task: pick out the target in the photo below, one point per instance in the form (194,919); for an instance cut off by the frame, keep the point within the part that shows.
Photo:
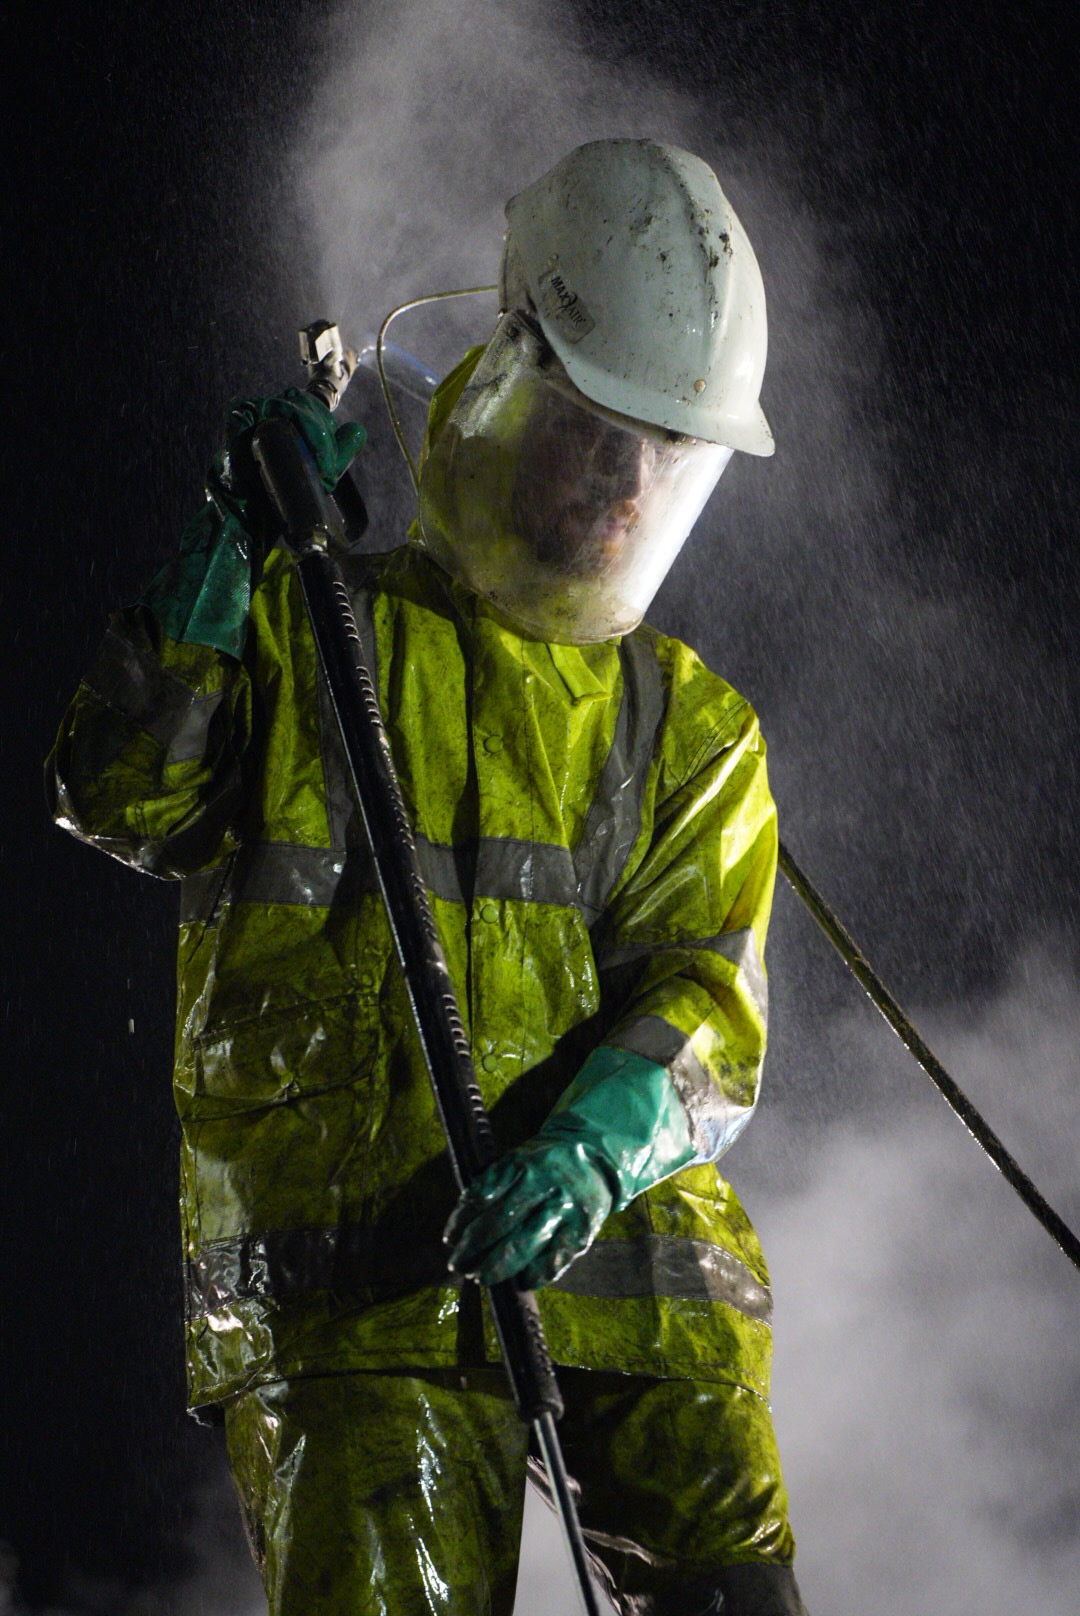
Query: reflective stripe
(287,1262)
(282,872)
(740,947)
(131,681)
(665,1265)
(315,877)
(715,1116)
(654,1038)
(534,872)
(190,736)
(447,871)
(499,867)
(351,1260)
(286,872)
(614,818)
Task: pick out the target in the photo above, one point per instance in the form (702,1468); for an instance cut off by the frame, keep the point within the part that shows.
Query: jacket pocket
(266,1060)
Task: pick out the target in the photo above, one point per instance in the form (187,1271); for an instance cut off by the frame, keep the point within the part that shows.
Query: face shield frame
(564,514)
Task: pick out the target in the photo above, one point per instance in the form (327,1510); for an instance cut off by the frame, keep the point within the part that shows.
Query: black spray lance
(312,525)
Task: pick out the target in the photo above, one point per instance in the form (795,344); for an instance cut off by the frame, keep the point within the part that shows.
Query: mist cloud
(928,1333)
(428,118)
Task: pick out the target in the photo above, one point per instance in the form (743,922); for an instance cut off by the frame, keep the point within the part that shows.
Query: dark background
(901,606)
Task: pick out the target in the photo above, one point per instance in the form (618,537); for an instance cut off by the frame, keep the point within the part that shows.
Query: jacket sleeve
(691,918)
(148,761)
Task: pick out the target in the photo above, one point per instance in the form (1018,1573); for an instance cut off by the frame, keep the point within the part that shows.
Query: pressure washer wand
(311,525)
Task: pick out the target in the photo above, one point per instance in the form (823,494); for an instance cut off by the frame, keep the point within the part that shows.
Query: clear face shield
(564,515)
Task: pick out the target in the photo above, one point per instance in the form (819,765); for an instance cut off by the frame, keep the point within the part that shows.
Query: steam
(430,117)
(928,1334)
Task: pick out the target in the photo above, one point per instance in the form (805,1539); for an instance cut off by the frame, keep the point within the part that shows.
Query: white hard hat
(647,288)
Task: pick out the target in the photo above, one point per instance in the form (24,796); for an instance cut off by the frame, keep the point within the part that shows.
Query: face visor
(563,514)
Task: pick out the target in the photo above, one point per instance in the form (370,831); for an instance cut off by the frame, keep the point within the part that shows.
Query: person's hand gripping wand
(311,523)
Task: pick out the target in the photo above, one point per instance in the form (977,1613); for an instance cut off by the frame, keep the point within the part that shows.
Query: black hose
(969,1115)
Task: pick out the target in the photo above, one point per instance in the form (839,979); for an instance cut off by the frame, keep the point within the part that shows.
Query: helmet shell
(647,288)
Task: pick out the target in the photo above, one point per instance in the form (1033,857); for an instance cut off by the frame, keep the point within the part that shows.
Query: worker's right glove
(203,596)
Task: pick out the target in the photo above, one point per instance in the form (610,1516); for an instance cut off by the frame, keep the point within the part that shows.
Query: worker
(597,837)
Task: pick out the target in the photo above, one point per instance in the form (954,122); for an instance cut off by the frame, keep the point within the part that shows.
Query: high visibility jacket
(599,845)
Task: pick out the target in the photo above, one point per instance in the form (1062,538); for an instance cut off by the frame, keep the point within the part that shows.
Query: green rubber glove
(619,1128)
(203,596)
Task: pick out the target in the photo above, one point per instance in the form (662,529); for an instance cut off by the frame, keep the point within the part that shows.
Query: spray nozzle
(327,360)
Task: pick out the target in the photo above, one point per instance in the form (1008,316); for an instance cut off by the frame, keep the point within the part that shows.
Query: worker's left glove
(619,1128)
(203,595)
(234,481)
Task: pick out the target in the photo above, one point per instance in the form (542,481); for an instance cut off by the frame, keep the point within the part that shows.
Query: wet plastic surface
(373,1495)
(315,1184)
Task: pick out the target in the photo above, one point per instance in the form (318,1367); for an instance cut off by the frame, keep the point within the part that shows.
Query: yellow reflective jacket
(599,845)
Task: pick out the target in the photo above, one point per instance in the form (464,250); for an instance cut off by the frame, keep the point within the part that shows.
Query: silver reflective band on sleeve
(716,1117)
(664,1265)
(131,681)
(656,1039)
(740,947)
(189,739)
(614,818)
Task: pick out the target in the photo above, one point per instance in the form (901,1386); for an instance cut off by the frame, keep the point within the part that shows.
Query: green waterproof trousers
(402,1495)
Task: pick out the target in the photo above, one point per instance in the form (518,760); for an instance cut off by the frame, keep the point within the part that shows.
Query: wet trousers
(402,1495)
